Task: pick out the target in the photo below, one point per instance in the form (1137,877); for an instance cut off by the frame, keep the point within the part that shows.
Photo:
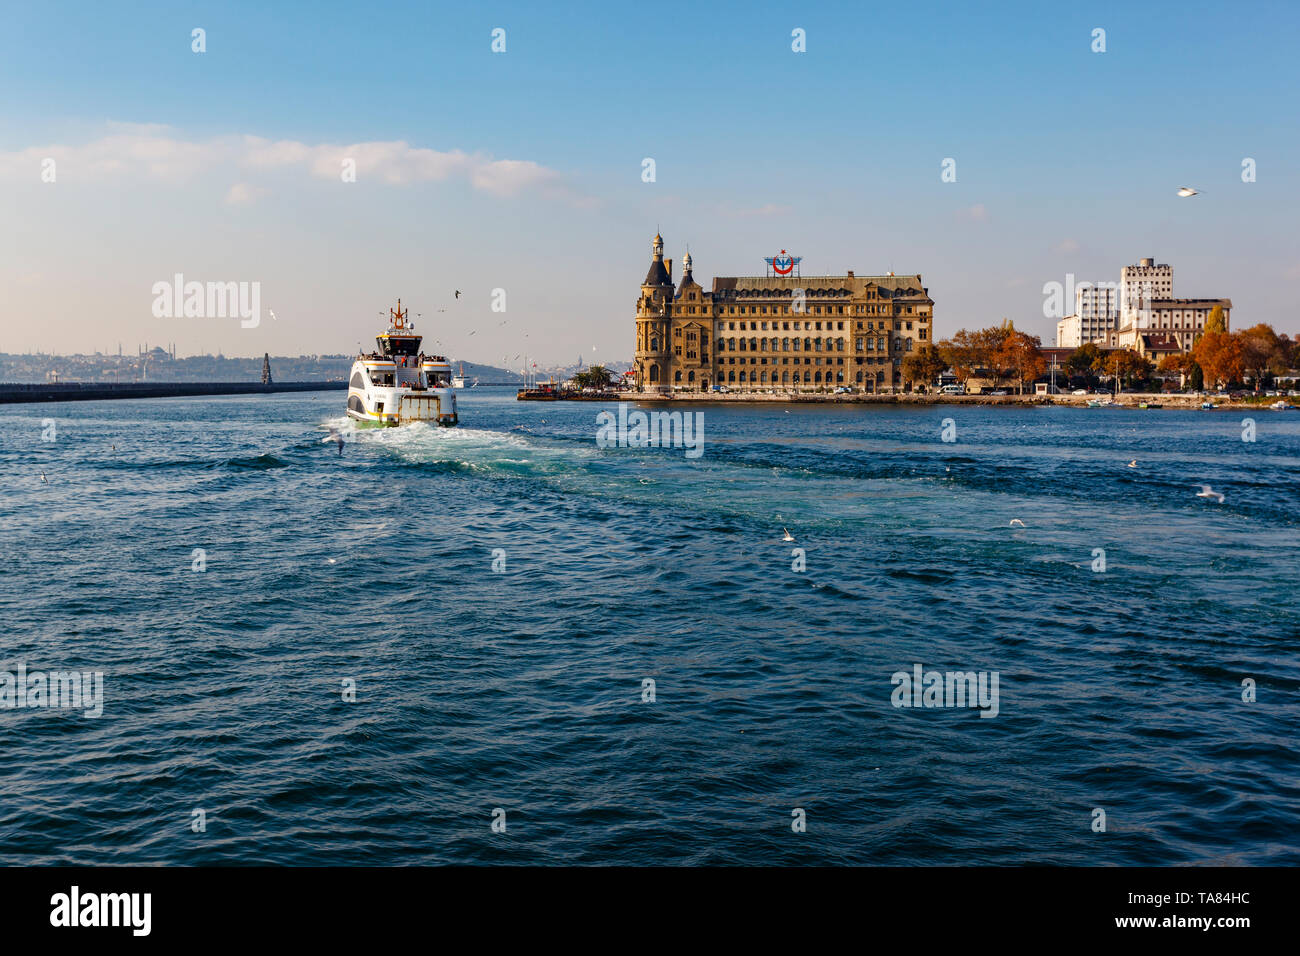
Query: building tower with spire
(654,315)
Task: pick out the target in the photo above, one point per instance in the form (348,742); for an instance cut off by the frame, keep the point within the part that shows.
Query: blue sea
(309,658)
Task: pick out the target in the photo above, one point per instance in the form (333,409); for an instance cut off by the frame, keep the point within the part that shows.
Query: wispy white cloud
(157,153)
(1068,246)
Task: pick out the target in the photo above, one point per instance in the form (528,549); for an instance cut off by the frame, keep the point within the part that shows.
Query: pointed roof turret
(658,275)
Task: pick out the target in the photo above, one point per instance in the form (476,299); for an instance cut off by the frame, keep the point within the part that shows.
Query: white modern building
(1067,333)
(1137,312)
(1097,306)
(1140,284)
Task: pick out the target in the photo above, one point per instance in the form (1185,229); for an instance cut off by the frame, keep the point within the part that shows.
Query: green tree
(597,376)
(923,366)
(1216,322)
(1084,360)
(1128,366)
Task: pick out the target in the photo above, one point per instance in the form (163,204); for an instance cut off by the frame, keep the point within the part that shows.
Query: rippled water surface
(522,690)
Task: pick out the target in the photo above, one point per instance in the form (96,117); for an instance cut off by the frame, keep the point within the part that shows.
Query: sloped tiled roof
(897,285)
(657,275)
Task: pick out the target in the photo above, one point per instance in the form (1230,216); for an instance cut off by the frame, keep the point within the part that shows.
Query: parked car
(1000,391)
(841,390)
(1080,391)
(953,390)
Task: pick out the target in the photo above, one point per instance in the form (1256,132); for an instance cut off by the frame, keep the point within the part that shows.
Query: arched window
(785,344)
(817,378)
(690,376)
(357,381)
(762,376)
(742,374)
(654,373)
(654,345)
(677,375)
(731,376)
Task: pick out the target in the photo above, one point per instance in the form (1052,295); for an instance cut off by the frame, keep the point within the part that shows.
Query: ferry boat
(458,381)
(398,383)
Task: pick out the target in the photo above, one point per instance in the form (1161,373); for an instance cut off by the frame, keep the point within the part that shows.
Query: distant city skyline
(523,170)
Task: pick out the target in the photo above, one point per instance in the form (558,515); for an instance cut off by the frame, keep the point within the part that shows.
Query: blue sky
(218,165)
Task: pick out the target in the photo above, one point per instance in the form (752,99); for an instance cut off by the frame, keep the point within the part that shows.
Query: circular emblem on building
(783,264)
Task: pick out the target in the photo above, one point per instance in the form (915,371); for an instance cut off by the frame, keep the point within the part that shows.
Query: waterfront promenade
(1125,399)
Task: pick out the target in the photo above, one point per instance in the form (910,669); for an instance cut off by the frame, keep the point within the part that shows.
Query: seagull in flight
(44,479)
(1206,492)
(273,315)
(788,535)
(1186,191)
(336,436)
(1133,463)
(458,293)
(1016,521)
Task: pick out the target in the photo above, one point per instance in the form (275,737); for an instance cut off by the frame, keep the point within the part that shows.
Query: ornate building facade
(776,332)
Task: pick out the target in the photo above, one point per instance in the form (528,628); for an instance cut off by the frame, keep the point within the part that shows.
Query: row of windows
(870,344)
(784,361)
(781,345)
(786,378)
(815,310)
(785,326)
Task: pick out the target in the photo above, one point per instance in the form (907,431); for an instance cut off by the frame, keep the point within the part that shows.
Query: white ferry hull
(398,383)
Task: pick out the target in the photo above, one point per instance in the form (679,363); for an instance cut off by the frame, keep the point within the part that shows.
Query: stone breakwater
(102,391)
